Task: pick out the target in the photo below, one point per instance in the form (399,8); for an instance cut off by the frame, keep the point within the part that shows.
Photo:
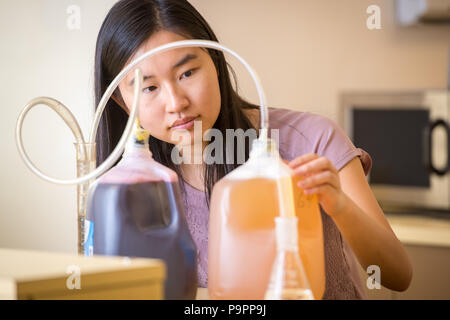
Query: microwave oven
(407,135)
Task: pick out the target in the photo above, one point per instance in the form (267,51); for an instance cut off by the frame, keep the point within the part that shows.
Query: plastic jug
(244,205)
(135,209)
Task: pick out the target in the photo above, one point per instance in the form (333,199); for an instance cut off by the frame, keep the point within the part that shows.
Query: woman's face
(179,83)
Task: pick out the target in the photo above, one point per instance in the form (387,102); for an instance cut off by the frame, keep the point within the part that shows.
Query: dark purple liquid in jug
(146,220)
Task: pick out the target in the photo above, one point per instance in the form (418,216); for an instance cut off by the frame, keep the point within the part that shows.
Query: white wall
(305,52)
(40,56)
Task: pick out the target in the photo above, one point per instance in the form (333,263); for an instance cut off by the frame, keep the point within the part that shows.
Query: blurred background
(307,53)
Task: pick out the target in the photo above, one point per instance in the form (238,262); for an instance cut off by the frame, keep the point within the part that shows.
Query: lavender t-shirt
(299,133)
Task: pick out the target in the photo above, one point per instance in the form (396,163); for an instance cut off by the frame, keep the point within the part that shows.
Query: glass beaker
(86,161)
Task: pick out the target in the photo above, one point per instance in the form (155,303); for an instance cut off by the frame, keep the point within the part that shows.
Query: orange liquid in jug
(242,245)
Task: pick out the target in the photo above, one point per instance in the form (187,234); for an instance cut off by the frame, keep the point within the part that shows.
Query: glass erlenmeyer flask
(288,279)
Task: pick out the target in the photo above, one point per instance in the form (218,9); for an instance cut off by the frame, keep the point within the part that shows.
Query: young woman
(193,84)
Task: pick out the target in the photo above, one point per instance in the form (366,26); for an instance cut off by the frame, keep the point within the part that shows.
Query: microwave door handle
(427,145)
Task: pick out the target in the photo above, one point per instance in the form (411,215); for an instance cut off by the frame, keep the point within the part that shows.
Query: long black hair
(126,27)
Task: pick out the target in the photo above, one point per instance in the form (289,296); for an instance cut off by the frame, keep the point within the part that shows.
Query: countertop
(29,274)
(425,230)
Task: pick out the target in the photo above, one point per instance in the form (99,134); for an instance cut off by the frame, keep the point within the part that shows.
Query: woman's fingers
(319,177)
(322,189)
(302,159)
(324,177)
(318,164)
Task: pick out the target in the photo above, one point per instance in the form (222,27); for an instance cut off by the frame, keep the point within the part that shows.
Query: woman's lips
(186,125)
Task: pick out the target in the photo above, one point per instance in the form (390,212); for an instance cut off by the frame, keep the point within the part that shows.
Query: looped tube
(109,162)
(184,44)
(69,119)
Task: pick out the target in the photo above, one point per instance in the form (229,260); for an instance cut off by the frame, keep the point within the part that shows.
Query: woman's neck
(193,174)
(192,165)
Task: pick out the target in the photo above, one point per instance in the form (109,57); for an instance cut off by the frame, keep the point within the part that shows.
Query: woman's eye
(187,74)
(150,89)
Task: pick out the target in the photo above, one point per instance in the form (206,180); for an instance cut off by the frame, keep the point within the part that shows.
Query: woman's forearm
(374,244)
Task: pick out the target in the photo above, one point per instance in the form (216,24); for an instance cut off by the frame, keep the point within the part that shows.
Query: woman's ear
(117,97)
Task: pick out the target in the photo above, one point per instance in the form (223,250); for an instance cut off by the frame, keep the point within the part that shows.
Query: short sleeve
(334,144)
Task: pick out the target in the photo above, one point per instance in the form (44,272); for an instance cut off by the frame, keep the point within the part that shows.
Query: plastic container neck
(264,147)
(138,143)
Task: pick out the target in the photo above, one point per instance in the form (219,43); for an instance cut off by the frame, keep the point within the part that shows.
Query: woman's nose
(176,99)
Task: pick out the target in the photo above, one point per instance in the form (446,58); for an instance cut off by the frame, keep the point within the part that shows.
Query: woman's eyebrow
(183,61)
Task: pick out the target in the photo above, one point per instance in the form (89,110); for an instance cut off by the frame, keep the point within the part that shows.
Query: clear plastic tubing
(114,156)
(70,120)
